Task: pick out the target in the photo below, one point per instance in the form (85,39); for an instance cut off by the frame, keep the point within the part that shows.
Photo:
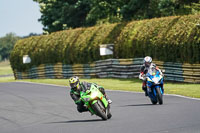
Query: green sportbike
(96,102)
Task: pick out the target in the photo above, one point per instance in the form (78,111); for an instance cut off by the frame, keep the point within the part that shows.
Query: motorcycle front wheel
(153,102)
(159,96)
(100,110)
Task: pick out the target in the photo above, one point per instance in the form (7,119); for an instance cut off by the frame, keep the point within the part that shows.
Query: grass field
(190,90)
(5,68)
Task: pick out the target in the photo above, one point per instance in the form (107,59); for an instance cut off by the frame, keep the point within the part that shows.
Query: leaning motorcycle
(155,89)
(96,102)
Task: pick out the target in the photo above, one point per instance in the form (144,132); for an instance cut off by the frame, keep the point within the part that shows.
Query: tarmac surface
(37,108)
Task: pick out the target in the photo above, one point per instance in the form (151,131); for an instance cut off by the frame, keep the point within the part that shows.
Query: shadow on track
(138,105)
(76,121)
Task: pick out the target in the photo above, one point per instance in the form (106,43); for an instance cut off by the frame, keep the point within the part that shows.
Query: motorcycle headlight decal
(156,80)
(94,94)
(148,79)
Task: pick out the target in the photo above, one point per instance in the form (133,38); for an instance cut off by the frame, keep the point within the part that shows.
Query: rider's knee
(80,110)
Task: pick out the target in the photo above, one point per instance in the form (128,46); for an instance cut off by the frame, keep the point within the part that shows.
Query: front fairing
(154,80)
(91,96)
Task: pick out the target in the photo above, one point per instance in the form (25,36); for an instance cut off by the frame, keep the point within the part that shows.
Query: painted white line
(183,96)
(108,90)
(164,94)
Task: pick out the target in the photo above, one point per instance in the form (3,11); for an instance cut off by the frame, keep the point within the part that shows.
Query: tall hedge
(175,39)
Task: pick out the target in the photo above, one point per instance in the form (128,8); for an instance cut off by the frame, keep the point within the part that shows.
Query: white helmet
(147,61)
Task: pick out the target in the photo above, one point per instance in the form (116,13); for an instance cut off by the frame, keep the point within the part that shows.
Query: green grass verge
(5,68)
(190,90)
(7,79)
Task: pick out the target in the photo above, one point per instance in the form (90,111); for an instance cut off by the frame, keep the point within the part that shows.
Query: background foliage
(6,45)
(173,39)
(64,14)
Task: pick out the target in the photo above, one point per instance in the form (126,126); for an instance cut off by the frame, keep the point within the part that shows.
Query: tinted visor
(73,85)
(147,64)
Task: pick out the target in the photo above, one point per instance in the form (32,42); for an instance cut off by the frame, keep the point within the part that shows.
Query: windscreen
(152,70)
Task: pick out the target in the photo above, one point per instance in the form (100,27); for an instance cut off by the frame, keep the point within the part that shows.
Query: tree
(134,9)
(167,7)
(62,14)
(104,11)
(31,34)
(6,45)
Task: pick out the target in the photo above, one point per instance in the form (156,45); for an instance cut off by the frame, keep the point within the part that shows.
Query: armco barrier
(112,68)
(67,71)
(58,71)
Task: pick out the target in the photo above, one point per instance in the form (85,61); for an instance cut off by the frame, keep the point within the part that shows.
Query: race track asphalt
(37,108)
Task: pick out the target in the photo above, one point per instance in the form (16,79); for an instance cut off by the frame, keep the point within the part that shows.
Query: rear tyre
(100,110)
(159,96)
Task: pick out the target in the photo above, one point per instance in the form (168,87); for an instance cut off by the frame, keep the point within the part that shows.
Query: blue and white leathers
(155,89)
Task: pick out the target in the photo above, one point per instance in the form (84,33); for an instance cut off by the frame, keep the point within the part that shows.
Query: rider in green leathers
(77,87)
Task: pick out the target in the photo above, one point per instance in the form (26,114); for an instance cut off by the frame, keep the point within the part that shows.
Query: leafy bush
(174,39)
(167,39)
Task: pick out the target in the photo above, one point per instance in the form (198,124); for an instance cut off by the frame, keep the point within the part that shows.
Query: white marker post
(26,59)
(106,49)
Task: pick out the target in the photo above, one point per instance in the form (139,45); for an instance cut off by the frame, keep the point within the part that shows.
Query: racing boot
(146,94)
(144,88)
(109,101)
